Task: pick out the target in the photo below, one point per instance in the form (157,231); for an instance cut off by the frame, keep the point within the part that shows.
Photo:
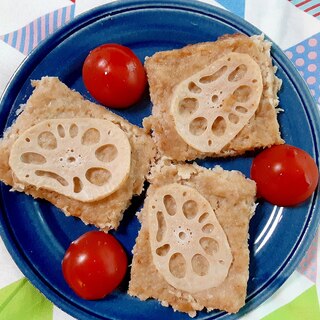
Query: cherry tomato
(114,75)
(285,175)
(94,265)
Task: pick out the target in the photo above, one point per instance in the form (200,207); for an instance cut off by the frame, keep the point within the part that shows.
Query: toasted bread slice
(214,99)
(192,250)
(51,100)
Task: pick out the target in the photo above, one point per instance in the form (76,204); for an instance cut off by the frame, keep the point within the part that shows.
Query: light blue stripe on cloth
(63,16)
(14,39)
(236,7)
(23,39)
(55,20)
(46,17)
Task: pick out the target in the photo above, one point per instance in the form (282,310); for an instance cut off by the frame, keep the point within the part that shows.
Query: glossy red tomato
(94,265)
(285,175)
(114,75)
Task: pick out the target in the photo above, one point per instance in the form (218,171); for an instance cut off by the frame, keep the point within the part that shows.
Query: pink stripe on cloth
(35,33)
(10,38)
(51,26)
(26,40)
(68,13)
(19,36)
(43,27)
(59,18)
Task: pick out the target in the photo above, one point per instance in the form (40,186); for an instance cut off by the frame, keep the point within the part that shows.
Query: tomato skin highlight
(114,75)
(94,265)
(285,175)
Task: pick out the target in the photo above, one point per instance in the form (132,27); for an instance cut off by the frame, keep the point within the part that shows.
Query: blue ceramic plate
(37,234)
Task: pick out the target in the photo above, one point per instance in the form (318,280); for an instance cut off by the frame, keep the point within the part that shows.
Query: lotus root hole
(203,217)
(52,175)
(177,265)
(32,158)
(61,131)
(208,228)
(170,204)
(183,235)
(188,106)
(98,176)
(90,137)
(163,250)
(214,98)
(198,126)
(194,88)
(209,245)
(214,76)
(200,265)
(71,159)
(238,73)
(242,93)
(47,140)
(241,109)
(161,226)
(77,185)
(219,126)
(233,118)
(73,130)
(190,209)
(106,153)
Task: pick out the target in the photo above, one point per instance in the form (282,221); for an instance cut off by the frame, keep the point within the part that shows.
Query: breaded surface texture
(167,69)
(53,99)
(232,198)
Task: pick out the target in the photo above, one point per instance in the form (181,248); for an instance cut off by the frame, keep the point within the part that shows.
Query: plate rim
(19,77)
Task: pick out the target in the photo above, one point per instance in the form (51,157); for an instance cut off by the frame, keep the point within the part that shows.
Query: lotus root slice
(85,159)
